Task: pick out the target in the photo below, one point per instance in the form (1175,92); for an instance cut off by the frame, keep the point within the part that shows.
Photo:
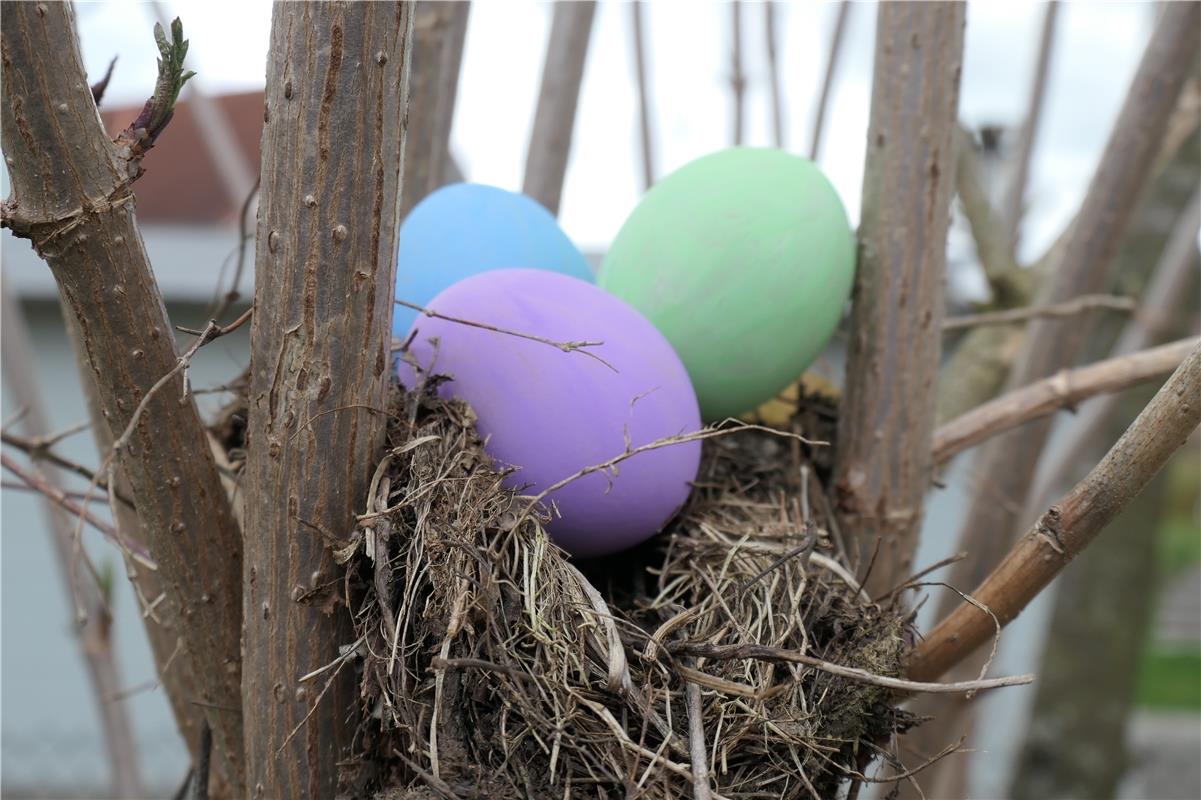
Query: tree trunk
(439,30)
(554,119)
(883,459)
(333,142)
(72,197)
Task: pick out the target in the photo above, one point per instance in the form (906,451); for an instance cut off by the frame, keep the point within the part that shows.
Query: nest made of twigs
(493,666)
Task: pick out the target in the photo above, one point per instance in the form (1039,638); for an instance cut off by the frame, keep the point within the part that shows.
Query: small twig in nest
(566,347)
(761,652)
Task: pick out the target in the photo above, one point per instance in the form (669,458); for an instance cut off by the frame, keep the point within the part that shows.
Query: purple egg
(551,413)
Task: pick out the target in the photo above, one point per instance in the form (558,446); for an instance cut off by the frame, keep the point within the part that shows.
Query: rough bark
(439,30)
(883,460)
(1063,390)
(554,119)
(1070,525)
(94,627)
(72,197)
(823,98)
(333,144)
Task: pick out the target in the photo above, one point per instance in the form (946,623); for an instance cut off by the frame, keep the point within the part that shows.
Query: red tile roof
(181,184)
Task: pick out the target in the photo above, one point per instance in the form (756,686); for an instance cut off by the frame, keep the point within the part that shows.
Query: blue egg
(467,228)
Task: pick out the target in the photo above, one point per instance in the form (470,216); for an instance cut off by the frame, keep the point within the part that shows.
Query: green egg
(744,260)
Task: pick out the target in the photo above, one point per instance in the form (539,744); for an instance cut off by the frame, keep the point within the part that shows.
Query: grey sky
(1097,50)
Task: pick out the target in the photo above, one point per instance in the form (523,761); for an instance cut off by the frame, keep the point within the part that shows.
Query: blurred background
(189,204)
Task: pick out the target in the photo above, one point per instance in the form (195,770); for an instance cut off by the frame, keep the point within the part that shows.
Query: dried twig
(1069,308)
(1063,390)
(566,347)
(1071,524)
(38,451)
(823,99)
(762,653)
(57,495)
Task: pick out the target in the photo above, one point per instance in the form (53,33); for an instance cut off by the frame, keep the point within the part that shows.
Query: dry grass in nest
(493,667)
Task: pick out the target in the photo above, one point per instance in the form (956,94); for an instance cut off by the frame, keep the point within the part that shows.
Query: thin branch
(59,497)
(1063,390)
(726,652)
(1012,207)
(699,762)
(882,467)
(37,451)
(644,113)
(245,236)
(773,74)
(566,347)
(823,99)
(87,595)
(1067,309)
(737,76)
(554,119)
(1072,524)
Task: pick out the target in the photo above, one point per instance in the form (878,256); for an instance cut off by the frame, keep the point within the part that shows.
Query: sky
(689,44)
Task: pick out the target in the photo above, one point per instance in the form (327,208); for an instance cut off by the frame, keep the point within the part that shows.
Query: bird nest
(704,661)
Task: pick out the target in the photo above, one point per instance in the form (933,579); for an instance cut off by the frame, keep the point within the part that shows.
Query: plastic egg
(744,260)
(551,413)
(467,228)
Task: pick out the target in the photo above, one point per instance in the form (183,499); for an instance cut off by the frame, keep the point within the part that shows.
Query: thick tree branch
(823,98)
(554,119)
(1063,390)
(333,141)
(883,460)
(72,197)
(1069,525)
(439,30)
